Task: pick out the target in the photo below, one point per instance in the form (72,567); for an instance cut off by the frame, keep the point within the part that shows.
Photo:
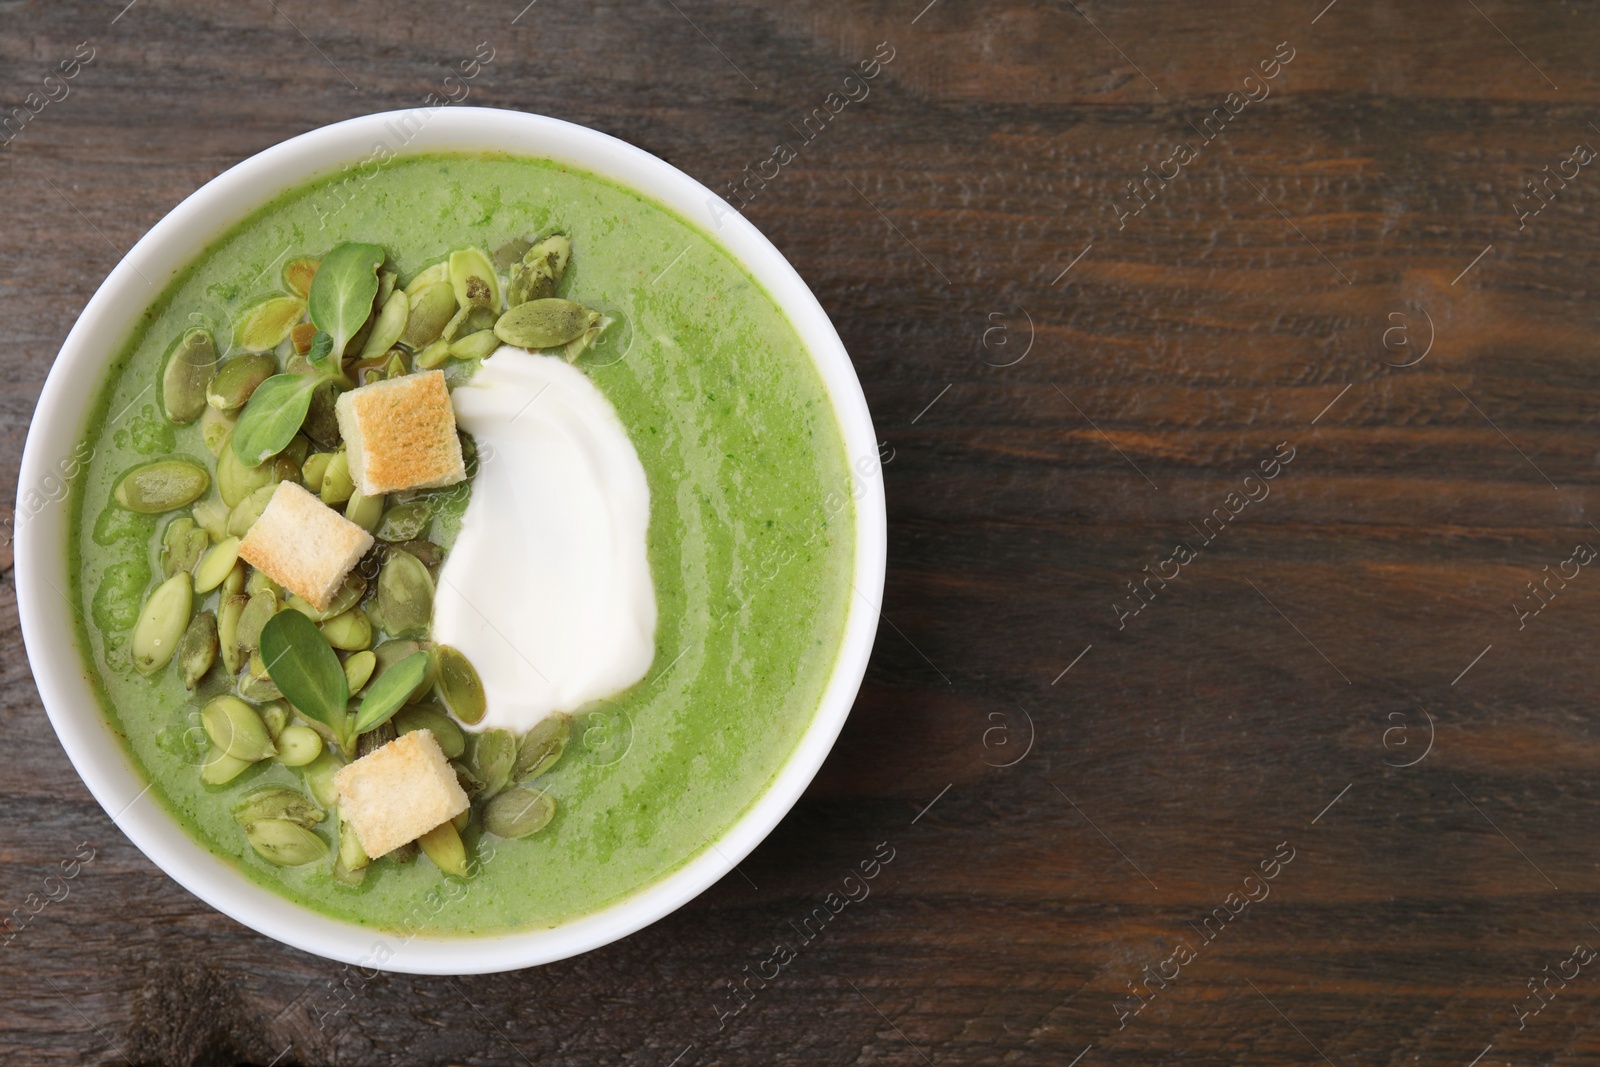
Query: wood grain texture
(1297,660)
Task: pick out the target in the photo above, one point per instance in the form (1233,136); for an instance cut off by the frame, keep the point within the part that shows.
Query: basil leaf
(388,694)
(321,345)
(342,291)
(273,415)
(301,663)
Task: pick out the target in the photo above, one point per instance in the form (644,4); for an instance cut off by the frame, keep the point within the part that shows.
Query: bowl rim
(61,415)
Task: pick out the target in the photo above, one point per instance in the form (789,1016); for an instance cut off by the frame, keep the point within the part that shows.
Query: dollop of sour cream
(547,589)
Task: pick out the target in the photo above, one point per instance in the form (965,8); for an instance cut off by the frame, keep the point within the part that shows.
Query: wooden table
(1339,680)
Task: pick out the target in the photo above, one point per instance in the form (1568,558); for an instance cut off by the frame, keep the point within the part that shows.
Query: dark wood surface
(1340,674)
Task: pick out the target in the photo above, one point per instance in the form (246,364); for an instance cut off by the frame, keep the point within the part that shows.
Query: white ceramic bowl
(60,421)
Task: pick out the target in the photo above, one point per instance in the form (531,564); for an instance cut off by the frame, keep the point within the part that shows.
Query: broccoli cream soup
(460,549)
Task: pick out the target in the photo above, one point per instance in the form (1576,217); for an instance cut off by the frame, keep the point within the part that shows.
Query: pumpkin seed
(190,365)
(297,275)
(221,768)
(452,327)
(237,379)
(460,822)
(260,582)
(358,670)
(162,485)
(215,429)
(392,652)
(347,596)
(212,515)
(443,846)
(264,326)
(262,607)
(473,279)
(235,481)
(248,510)
(429,553)
(434,355)
(291,805)
(519,812)
(350,632)
(303,335)
(182,544)
(162,623)
(228,612)
(477,345)
(390,325)
(542,747)
(364,511)
(337,484)
(544,323)
(197,648)
(508,255)
(313,470)
(439,272)
(285,468)
(396,367)
(459,685)
(216,565)
(350,865)
(374,739)
(298,745)
(233,584)
(431,307)
(452,742)
(285,843)
(403,522)
(387,280)
(494,752)
(405,596)
(579,344)
(540,272)
(259,688)
(235,728)
(322,422)
(275,717)
(319,777)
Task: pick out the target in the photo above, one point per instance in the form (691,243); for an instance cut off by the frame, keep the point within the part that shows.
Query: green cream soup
(751,538)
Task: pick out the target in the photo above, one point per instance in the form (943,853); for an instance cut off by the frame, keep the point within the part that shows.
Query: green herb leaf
(301,663)
(388,693)
(274,414)
(321,345)
(343,290)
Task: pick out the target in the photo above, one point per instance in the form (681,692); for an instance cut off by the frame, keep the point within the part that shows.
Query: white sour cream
(547,588)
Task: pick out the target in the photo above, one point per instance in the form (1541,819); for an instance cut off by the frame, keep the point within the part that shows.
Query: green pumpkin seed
(182,544)
(580,344)
(233,584)
(262,607)
(212,515)
(542,747)
(473,279)
(460,822)
(197,648)
(337,484)
(162,623)
(264,326)
(439,272)
(162,485)
(216,565)
(319,775)
(429,553)
(322,421)
(387,280)
(221,768)
(235,481)
(431,308)
(479,345)
(297,275)
(347,596)
(215,429)
(313,470)
(404,522)
(405,595)
(519,812)
(349,632)
(508,255)
(374,739)
(298,745)
(443,846)
(274,716)
(494,753)
(452,742)
(237,379)
(434,356)
(350,864)
(248,510)
(260,582)
(364,511)
(389,327)
(228,613)
(544,323)
(190,366)
(291,805)
(285,843)
(396,367)
(459,685)
(540,272)
(235,728)
(358,670)
(392,652)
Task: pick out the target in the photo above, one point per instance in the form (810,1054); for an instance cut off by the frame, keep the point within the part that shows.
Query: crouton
(304,545)
(399,792)
(401,434)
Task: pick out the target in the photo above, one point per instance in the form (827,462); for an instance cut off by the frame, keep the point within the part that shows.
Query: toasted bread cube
(304,545)
(401,434)
(399,792)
